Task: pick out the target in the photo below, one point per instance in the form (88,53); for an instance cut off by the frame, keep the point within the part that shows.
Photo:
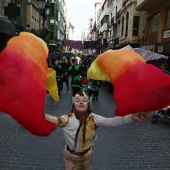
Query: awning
(7,28)
(147,5)
(91,44)
(74,44)
(149,55)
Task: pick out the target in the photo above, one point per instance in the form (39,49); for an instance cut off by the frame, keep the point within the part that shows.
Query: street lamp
(44,7)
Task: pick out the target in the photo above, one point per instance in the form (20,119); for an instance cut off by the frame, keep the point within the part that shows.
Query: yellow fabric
(96,73)
(52,84)
(117,62)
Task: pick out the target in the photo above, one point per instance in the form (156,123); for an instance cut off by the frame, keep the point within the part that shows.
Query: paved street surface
(136,146)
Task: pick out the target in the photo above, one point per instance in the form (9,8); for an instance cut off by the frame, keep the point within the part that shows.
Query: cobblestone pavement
(135,146)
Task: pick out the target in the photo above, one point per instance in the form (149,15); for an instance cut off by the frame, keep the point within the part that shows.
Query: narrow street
(140,145)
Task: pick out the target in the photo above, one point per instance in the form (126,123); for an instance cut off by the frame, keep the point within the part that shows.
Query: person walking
(59,76)
(64,63)
(94,88)
(80,127)
(75,73)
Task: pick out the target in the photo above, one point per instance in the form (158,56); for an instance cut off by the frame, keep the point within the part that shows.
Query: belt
(78,153)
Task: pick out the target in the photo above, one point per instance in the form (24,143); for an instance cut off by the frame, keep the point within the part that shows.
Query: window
(122,26)
(135,25)
(153,22)
(52,31)
(127,22)
(167,19)
(105,19)
(51,9)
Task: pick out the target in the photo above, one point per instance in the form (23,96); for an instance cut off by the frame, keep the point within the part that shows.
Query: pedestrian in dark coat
(59,76)
(64,63)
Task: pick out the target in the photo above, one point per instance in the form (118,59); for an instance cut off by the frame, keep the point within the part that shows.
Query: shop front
(7,31)
(163,48)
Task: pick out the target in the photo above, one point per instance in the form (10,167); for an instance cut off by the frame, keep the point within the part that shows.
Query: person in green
(75,73)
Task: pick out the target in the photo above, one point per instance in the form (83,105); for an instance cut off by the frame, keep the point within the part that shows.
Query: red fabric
(23,90)
(143,87)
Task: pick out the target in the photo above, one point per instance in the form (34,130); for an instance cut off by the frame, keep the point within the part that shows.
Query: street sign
(12,11)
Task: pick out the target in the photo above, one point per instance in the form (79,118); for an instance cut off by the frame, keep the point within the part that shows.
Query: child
(94,88)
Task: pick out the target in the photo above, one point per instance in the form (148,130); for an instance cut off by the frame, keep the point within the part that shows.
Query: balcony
(104,14)
(103,27)
(146,5)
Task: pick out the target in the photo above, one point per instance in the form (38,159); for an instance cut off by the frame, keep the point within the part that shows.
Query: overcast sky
(80,12)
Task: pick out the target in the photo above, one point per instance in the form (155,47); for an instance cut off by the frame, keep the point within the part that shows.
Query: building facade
(56,24)
(10,24)
(53,28)
(139,23)
(156,24)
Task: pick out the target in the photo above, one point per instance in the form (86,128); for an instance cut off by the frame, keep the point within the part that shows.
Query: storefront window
(168,18)
(153,23)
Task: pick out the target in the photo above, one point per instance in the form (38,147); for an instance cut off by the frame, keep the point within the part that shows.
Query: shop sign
(166,34)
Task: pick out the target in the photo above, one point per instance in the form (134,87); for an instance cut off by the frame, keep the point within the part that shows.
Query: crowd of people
(75,68)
